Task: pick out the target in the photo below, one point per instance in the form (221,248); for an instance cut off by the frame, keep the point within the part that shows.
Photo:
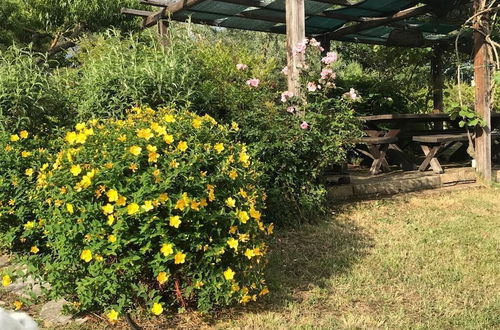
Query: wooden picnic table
(403,126)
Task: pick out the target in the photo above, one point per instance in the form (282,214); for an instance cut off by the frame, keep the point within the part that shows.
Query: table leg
(431,158)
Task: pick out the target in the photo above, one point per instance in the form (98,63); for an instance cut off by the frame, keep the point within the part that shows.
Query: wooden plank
(482,78)
(136,12)
(378,21)
(295,34)
(153,19)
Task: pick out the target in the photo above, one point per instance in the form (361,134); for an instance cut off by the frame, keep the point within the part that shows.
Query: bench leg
(406,163)
(379,163)
(431,158)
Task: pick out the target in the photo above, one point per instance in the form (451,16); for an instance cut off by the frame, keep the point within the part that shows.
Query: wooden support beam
(378,21)
(437,78)
(136,12)
(482,76)
(295,34)
(153,19)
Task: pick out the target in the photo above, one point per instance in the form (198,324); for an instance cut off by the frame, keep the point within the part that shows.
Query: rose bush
(161,208)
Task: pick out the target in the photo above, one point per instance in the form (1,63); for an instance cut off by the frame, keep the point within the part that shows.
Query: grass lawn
(424,260)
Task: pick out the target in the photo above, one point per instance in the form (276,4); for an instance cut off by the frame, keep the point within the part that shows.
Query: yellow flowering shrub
(21,157)
(162,208)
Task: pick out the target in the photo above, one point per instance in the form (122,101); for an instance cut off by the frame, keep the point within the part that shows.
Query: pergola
(405,23)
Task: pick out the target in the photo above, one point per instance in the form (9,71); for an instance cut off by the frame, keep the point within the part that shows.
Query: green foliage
(30,97)
(39,21)
(165,211)
(112,72)
(20,156)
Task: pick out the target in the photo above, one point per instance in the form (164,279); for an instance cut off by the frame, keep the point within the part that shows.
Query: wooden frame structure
(297,20)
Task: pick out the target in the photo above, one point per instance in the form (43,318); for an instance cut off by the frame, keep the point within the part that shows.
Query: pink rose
(286,95)
(329,58)
(304,125)
(254,82)
(241,66)
(300,48)
(352,94)
(325,73)
(315,43)
(291,109)
(311,86)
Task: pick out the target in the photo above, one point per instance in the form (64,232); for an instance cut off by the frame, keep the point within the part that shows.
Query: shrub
(162,208)
(21,155)
(29,97)
(112,72)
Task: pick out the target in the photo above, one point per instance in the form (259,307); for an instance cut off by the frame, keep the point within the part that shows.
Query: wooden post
(295,34)
(437,78)
(482,91)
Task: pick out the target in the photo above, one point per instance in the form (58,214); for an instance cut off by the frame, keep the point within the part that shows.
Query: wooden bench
(433,145)
(377,147)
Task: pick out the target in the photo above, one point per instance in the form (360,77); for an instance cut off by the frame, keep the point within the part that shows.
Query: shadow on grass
(306,257)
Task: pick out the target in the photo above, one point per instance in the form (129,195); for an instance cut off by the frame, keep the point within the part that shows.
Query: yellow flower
(229,274)
(111,220)
(122,138)
(112,195)
(133,208)
(145,133)
(157,309)
(70,137)
(25,154)
(169,118)
(14,138)
(34,249)
(29,172)
(244,158)
(233,243)
(182,146)
(162,277)
(167,249)
(163,197)
(233,229)
(254,213)
(249,253)
(135,150)
(29,225)
(244,237)
(6,280)
(246,298)
(75,170)
(233,174)
(264,291)
(231,202)
(174,164)
(80,126)
(175,221)
(81,138)
(235,126)
(111,238)
(153,157)
(219,147)
(18,304)
(179,258)
(243,216)
(112,316)
(108,208)
(86,255)
(69,208)
(197,123)
(270,229)
(168,138)
(23,134)
(121,201)
(160,130)
(148,206)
